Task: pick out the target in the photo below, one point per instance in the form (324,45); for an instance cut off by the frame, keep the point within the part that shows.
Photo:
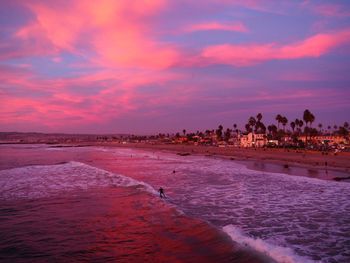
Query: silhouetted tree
(292,125)
(227,134)
(252,121)
(219,132)
(308,118)
(262,127)
(248,128)
(272,130)
(259,117)
(278,119)
(343,131)
(284,122)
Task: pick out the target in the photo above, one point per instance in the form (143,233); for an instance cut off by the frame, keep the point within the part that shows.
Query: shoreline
(292,162)
(105,158)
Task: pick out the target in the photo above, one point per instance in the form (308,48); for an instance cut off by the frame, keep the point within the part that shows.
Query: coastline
(292,162)
(167,234)
(312,164)
(103,157)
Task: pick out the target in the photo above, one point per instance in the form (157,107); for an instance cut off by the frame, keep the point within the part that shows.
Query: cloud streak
(246,55)
(236,27)
(70,66)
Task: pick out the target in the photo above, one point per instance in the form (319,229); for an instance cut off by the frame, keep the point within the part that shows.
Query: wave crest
(277,253)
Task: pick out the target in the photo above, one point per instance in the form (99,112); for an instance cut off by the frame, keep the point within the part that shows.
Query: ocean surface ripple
(289,218)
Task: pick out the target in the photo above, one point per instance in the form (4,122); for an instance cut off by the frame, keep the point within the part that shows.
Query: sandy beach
(295,162)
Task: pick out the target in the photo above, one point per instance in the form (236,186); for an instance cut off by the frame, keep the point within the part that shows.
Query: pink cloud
(127,67)
(245,55)
(237,27)
(115,33)
(57,102)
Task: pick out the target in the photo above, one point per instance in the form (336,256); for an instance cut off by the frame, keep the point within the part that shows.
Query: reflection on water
(284,216)
(75,212)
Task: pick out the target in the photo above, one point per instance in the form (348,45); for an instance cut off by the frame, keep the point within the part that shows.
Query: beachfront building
(182,139)
(253,140)
(325,139)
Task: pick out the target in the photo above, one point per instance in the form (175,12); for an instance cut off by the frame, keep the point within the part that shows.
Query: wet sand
(294,162)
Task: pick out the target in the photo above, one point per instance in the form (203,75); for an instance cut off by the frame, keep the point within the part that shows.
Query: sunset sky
(154,66)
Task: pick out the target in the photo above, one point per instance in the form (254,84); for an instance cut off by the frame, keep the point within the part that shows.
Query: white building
(253,140)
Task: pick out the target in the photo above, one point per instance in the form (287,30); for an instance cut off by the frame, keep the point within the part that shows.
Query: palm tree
(346,125)
(259,117)
(308,118)
(297,123)
(262,127)
(284,122)
(278,119)
(252,121)
(272,130)
(247,127)
(219,132)
(227,134)
(292,125)
(312,119)
(269,128)
(184,132)
(301,123)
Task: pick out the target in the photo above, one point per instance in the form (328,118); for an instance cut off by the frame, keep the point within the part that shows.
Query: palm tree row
(255,124)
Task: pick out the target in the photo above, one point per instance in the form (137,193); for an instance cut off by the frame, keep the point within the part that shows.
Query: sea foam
(277,253)
(46,180)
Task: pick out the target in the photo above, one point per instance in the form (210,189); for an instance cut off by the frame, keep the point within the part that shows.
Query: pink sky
(162,66)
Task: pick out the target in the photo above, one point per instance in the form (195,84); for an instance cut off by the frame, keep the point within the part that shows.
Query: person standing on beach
(161,192)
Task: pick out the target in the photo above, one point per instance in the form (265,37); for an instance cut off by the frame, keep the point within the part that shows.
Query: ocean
(101,204)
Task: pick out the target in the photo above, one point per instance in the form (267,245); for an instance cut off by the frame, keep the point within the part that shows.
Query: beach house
(253,140)
(325,139)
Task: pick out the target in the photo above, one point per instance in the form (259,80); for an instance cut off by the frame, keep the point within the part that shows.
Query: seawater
(288,218)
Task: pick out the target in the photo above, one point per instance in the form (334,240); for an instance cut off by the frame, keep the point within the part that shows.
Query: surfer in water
(161,192)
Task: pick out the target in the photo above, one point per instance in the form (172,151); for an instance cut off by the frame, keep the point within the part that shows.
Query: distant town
(298,134)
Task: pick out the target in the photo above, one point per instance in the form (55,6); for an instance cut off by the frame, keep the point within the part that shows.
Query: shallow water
(289,218)
(72,211)
(98,225)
